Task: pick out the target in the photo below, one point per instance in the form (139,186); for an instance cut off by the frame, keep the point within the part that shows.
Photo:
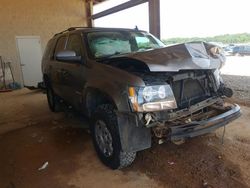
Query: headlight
(152,98)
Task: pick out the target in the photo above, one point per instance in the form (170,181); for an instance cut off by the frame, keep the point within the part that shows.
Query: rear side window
(75,44)
(60,45)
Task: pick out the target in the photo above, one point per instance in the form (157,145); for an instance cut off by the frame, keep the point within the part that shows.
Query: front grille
(189,86)
(190,91)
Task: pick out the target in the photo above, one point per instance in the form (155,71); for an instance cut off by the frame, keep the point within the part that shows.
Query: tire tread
(125,158)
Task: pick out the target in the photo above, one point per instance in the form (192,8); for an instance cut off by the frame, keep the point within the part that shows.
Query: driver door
(73,73)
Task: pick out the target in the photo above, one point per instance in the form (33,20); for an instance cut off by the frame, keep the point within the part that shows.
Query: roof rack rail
(70,29)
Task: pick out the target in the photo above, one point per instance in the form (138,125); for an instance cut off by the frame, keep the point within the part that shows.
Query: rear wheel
(106,138)
(53,99)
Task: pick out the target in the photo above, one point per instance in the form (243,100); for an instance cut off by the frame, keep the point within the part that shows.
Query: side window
(60,44)
(143,42)
(48,50)
(75,44)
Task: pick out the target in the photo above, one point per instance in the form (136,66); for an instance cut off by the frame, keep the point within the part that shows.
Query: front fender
(113,82)
(115,92)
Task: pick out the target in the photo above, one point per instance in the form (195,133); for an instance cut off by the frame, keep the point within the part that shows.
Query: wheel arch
(94,97)
(134,137)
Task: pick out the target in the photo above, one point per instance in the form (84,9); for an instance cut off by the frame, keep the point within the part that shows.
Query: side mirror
(68,56)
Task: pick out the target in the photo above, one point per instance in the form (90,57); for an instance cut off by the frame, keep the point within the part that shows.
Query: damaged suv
(134,88)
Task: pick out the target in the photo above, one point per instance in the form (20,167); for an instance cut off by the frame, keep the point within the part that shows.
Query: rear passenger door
(74,72)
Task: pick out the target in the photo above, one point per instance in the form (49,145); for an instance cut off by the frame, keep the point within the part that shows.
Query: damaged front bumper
(196,128)
(136,136)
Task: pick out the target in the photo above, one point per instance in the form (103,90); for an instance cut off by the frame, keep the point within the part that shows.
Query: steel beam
(154,17)
(89,12)
(118,8)
(153,8)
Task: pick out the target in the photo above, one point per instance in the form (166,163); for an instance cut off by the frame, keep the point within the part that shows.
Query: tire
(106,139)
(53,99)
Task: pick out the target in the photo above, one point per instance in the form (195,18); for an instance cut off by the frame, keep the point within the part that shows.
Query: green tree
(227,39)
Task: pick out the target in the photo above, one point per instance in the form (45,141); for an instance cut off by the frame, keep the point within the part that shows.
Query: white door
(30,54)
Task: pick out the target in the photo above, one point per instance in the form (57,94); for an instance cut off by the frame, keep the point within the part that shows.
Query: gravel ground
(202,162)
(240,86)
(236,75)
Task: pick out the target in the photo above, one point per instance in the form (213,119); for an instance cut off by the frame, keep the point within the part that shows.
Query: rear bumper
(197,128)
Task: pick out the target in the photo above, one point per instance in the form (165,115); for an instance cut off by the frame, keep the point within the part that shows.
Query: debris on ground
(206,185)
(44,166)
(171,163)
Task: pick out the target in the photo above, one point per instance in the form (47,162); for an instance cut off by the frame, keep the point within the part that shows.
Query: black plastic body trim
(133,135)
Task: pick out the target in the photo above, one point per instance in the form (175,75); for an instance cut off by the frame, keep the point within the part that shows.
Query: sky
(183,18)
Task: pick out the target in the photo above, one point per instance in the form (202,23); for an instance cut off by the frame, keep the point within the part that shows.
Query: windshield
(109,43)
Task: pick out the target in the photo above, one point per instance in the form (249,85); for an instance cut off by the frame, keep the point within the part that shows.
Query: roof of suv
(87,29)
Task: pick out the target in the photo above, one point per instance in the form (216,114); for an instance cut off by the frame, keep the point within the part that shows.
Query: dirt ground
(61,140)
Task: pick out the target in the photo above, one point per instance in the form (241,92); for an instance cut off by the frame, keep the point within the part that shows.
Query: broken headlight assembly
(219,53)
(152,98)
(218,78)
(216,50)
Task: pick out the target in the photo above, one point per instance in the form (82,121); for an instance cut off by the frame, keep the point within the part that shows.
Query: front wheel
(106,139)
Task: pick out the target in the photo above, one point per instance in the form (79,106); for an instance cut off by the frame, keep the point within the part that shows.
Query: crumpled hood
(186,56)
